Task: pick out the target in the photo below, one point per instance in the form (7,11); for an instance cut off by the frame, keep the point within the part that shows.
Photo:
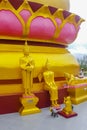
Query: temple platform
(11,103)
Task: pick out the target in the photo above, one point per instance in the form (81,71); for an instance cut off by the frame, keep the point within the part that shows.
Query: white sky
(79,7)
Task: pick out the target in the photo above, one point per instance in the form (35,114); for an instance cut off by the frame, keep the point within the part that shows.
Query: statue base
(29,105)
(62,113)
(58,107)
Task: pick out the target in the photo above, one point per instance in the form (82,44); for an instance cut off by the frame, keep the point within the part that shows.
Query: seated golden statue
(27,66)
(50,85)
(73,80)
(68,105)
(69,78)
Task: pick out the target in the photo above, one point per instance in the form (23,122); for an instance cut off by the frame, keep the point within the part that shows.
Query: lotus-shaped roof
(38,23)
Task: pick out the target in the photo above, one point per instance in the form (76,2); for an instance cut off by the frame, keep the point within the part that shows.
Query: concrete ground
(44,120)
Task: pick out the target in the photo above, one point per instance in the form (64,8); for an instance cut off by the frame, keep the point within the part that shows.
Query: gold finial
(5,1)
(26,1)
(47,65)
(26,43)
(26,49)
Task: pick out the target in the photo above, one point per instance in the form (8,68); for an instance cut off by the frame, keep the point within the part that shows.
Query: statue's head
(67,75)
(26,49)
(47,65)
(68,97)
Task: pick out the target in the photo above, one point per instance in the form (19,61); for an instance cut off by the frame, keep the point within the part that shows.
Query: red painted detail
(35,6)
(67,115)
(66,14)
(44,99)
(16,3)
(52,9)
(33,43)
(77,18)
(78,85)
(11,81)
(11,103)
(10,24)
(61,94)
(35,80)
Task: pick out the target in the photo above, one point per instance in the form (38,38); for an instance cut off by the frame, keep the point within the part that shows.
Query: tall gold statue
(50,85)
(28,100)
(27,67)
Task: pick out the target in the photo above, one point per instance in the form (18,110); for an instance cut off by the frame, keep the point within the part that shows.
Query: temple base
(78,93)
(62,113)
(10,103)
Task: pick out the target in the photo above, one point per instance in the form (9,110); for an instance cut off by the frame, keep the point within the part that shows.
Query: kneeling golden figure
(68,105)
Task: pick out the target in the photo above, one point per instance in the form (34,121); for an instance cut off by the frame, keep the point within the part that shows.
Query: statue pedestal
(62,113)
(29,105)
(78,92)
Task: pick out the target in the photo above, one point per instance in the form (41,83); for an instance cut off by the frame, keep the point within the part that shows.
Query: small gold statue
(68,105)
(67,111)
(50,85)
(27,67)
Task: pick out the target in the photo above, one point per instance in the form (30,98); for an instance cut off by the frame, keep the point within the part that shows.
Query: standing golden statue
(27,66)
(28,100)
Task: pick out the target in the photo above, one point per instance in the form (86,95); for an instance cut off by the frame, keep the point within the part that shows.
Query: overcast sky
(79,7)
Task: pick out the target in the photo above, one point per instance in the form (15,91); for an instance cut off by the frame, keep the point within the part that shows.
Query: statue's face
(68,98)
(26,51)
(48,65)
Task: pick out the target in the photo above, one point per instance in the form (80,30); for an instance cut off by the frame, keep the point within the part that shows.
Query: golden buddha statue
(68,105)
(28,100)
(74,80)
(27,66)
(67,111)
(50,85)
(49,28)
